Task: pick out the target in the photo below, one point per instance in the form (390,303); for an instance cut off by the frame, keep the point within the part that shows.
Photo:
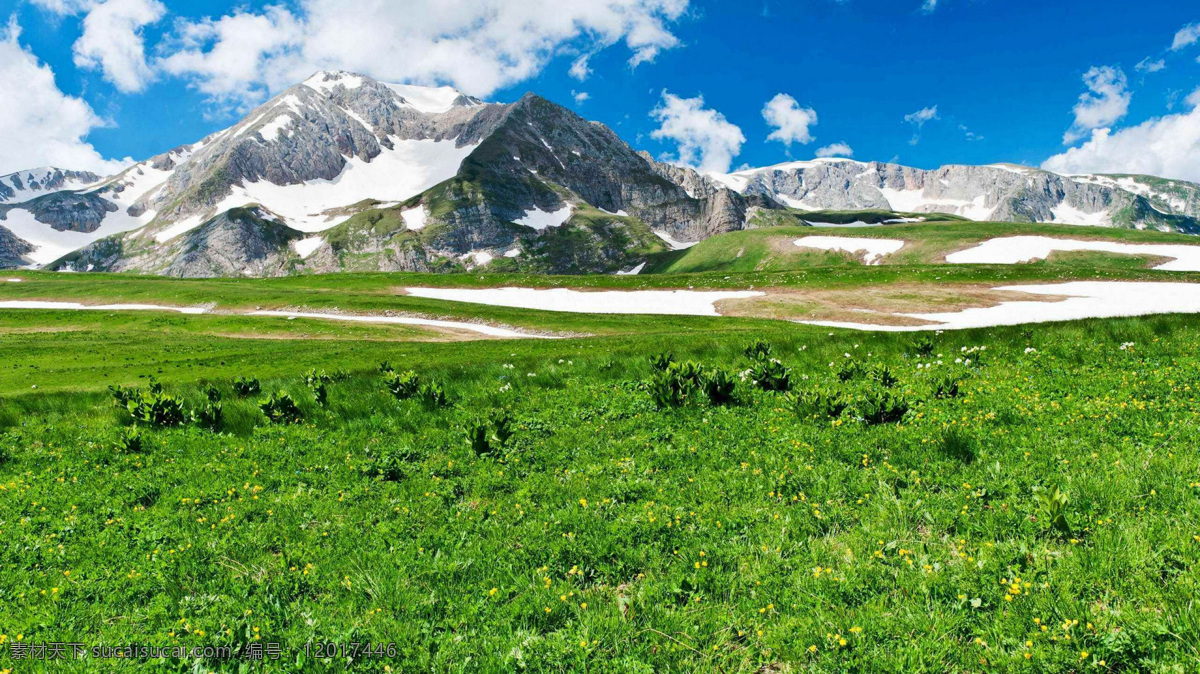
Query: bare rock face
(1001,192)
(25,185)
(71,211)
(238,242)
(12,250)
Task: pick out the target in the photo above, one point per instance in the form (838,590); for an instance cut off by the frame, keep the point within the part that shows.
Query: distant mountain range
(344,173)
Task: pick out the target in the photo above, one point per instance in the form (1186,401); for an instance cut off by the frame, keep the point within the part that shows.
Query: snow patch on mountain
(872,250)
(674,244)
(398,174)
(414,218)
(306,247)
(542,220)
(432,100)
(1016,249)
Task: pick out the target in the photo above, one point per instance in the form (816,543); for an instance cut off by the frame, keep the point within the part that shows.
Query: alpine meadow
(385,374)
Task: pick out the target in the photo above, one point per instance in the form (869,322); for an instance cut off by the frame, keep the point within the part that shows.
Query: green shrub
(1051,505)
(691,371)
(209,414)
(924,346)
(669,387)
(718,386)
(156,408)
(883,376)
(313,377)
(946,387)
(771,375)
(246,387)
(661,361)
(477,437)
(819,402)
(129,440)
(122,395)
(880,406)
(320,393)
(212,394)
(432,394)
(757,350)
(403,385)
(279,408)
(503,423)
(386,367)
(850,370)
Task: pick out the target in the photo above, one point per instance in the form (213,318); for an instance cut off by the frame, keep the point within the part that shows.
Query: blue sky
(1005,76)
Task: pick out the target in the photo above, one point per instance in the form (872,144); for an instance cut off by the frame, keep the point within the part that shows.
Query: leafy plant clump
(129,440)
(757,350)
(771,375)
(246,387)
(718,386)
(279,408)
(402,385)
(431,394)
(661,361)
(1051,504)
(156,409)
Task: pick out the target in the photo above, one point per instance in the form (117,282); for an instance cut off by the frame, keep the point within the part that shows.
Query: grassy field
(770,249)
(1021,499)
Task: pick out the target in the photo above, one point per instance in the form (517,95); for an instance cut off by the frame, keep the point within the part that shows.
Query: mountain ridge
(342,172)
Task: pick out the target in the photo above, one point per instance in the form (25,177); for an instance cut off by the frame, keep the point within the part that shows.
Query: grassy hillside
(1030,508)
(772,248)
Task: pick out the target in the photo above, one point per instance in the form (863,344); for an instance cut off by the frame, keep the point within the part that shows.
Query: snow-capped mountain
(342,172)
(998,192)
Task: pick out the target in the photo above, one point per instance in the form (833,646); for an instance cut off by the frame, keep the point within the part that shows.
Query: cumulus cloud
(112,41)
(42,126)
(580,96)
(1188,35)
(1166,146)
(1105,102)
(921,116)
(706,140)
(835,150)
(1148,66)
(579,68)
(477,46)
(789,120)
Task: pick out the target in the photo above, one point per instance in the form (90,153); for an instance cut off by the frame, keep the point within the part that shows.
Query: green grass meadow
(1019,499)
(610,535)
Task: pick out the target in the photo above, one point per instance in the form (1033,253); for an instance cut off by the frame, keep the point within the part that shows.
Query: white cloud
(1188,35)
(835,150)
(1148,66)
(706,140)
(112,41)
(929,5)
(580,96)
(42,126)
(475,45)
(921,116)
(579,68)
(1193,99)
(1105,102)
(1166,146)
(63,7)
(789,120)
